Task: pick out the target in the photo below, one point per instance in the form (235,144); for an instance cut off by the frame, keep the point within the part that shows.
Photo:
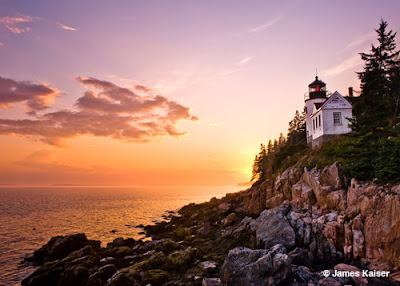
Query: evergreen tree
(270,147)
(379,101)
(281,140)
(276,146)
(297,129)
(260,165)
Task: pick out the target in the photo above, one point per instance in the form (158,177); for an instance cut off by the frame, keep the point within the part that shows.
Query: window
(337,118)
(319,120)
(313,124)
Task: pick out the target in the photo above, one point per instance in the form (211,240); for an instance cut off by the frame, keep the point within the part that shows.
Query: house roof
(335,101)
(319,104)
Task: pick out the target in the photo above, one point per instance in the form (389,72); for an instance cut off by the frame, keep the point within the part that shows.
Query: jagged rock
(348,242)
(358,238)
(333,176)
(335,233)
(244,266)
(211,282)
(361,198)
(272,227)
(302,195)
(382,231)
(254,199)
(328,195)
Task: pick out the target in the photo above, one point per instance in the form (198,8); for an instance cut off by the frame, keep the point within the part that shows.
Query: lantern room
(317,89)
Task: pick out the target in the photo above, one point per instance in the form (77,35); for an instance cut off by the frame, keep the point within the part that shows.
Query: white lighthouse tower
(316,96)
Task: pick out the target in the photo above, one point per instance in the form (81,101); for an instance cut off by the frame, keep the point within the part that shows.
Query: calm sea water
(29,217)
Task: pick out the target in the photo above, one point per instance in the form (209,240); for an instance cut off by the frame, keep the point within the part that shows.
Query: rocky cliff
(302,228)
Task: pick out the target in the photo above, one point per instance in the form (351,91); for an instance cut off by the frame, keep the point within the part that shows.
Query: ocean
(30,216)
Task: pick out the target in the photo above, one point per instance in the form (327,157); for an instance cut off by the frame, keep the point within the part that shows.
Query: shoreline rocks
(287,232)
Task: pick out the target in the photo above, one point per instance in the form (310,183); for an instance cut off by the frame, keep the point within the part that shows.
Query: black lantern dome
(317,89)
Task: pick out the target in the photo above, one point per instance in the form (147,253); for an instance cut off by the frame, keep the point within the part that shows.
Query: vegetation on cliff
(372,150)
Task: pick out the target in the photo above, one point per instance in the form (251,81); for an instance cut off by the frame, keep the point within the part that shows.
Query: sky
(178,92)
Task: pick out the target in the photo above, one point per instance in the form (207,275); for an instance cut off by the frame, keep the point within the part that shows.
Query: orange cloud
(16,25)
(36,96)
(65,27)
(107,110)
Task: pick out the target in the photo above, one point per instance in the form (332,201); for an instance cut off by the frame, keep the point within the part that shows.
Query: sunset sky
(176,92)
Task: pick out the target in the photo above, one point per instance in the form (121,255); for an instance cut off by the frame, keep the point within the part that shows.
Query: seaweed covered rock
(59,247)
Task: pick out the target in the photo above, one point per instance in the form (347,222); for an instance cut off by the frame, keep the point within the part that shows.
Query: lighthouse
(327,114)
(316,95)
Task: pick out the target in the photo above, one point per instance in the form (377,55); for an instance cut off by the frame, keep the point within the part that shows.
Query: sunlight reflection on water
(29,217)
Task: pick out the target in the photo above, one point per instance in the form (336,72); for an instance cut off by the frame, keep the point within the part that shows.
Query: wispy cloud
(266,25)
(65,27)
(361,40)
(17,25)
(345,65)
(105,110)
(244,61)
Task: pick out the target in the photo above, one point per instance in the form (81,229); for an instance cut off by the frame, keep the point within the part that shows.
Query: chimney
(350,91)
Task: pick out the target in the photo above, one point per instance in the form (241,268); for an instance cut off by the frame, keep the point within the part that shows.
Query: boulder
(107,271)
(333,175)
(272,227)
(59,247)
(260,267)
(180,258)
(71,270)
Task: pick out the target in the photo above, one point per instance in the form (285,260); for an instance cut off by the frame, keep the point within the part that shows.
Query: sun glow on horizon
(158,96)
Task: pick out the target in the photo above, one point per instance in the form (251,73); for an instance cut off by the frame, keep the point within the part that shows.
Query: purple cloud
(106,110)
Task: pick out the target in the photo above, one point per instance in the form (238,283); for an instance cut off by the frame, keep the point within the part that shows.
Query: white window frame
(337,118)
